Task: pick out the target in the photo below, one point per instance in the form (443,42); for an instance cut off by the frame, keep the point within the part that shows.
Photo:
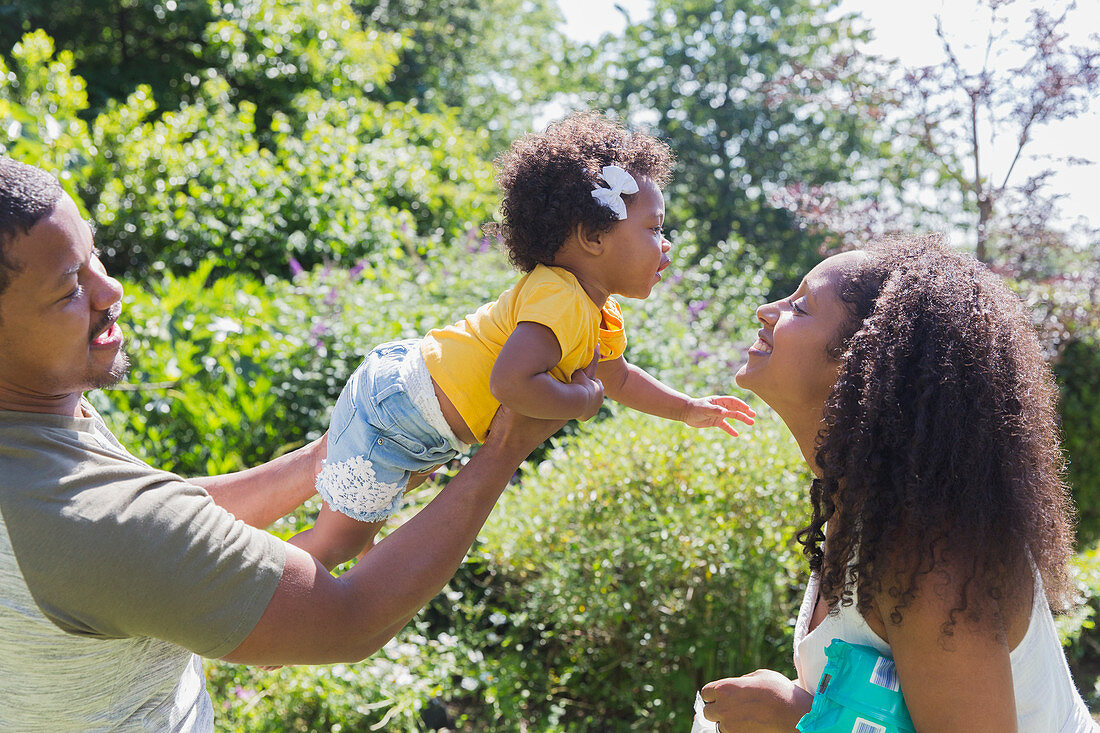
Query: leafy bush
(229,371)
(336,178)
(393,691)
(693,330)
(1078,374)
(641,560)
(1078,628)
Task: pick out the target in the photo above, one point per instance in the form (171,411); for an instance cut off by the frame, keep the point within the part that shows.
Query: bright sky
(906,30)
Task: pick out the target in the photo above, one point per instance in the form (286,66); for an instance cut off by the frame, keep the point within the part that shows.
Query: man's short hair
(27,195)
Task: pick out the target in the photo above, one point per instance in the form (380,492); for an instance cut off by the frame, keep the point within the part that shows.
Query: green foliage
(494,62)
(641,560)
(391,692)
(693,330)
(1078,628)
(118,45)
(40,100)
(211,387)
(271,51)
(752,96)
(228,372)
(1078,374)
(341,179)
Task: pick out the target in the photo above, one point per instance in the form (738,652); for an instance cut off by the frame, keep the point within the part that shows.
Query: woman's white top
(1046,699)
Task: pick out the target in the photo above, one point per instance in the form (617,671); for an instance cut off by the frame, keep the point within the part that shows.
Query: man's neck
(68,405)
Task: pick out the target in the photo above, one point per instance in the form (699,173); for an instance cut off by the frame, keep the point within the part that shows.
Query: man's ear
(589,239)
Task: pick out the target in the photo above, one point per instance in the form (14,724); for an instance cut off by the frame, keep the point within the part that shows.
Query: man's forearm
(417,559)
(260,495)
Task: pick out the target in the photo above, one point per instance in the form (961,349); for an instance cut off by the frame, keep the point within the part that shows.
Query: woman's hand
(715,412)
(761,702)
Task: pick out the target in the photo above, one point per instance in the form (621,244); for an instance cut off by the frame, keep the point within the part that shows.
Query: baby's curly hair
(940,450)
(547,181)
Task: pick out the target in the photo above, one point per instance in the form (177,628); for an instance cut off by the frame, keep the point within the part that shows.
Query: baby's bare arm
(521,378)
(636,388)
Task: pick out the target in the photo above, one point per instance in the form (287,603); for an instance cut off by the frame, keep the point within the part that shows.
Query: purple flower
(330,297)
(296,268)
(697,307)
(357,269)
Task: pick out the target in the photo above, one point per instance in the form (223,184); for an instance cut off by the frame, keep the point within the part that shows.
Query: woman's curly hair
(939,451)
(547,181)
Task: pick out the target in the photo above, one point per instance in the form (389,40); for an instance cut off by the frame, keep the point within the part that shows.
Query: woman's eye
(796,307)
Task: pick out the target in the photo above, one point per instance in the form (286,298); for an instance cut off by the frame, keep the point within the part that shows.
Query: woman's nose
(768,313)
(665,244)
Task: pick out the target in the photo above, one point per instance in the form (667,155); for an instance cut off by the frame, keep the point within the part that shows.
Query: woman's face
(789,366)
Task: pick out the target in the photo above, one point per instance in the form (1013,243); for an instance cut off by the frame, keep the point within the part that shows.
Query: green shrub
(1078,628)
(693,330)
(229,371)
(390,692)
(641,560)
(337,177)
(1078,374)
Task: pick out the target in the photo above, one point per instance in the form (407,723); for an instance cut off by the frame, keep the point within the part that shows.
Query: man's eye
(76,293)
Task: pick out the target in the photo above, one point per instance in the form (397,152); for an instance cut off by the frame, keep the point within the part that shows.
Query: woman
(913,382)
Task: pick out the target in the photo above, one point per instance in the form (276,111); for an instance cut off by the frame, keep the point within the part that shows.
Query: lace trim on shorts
(351,488)
(422,395)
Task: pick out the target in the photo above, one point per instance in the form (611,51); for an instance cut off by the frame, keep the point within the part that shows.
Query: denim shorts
(378,434)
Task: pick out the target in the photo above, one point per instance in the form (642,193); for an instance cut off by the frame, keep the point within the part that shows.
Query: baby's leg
(415,479)
(336,538)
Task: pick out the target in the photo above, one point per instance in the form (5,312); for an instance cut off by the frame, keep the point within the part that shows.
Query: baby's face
(636,247)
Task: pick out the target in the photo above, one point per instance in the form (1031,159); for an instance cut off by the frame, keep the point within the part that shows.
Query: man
(114,576)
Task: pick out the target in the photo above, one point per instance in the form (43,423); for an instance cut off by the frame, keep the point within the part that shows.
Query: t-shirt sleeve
(554,306)
(612,332)
(117,549)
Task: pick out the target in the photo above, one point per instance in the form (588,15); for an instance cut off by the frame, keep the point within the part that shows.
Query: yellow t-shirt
(460,357)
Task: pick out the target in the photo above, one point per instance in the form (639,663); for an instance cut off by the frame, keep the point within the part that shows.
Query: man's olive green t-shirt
(113,576)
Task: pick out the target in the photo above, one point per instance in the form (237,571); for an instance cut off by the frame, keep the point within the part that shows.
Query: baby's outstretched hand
(716,411)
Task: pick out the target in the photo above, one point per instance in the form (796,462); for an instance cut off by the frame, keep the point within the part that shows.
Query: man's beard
(119,369)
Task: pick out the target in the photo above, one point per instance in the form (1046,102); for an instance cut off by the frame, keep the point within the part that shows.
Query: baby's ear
(589,239)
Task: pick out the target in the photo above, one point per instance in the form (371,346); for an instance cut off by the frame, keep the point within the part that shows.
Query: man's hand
(715,412)
(586,379)
(761,702)
(319,450)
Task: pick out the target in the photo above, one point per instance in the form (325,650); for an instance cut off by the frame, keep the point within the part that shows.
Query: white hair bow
(621,182)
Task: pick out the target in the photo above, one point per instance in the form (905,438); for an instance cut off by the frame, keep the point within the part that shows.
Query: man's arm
(258,496)
(314,618)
